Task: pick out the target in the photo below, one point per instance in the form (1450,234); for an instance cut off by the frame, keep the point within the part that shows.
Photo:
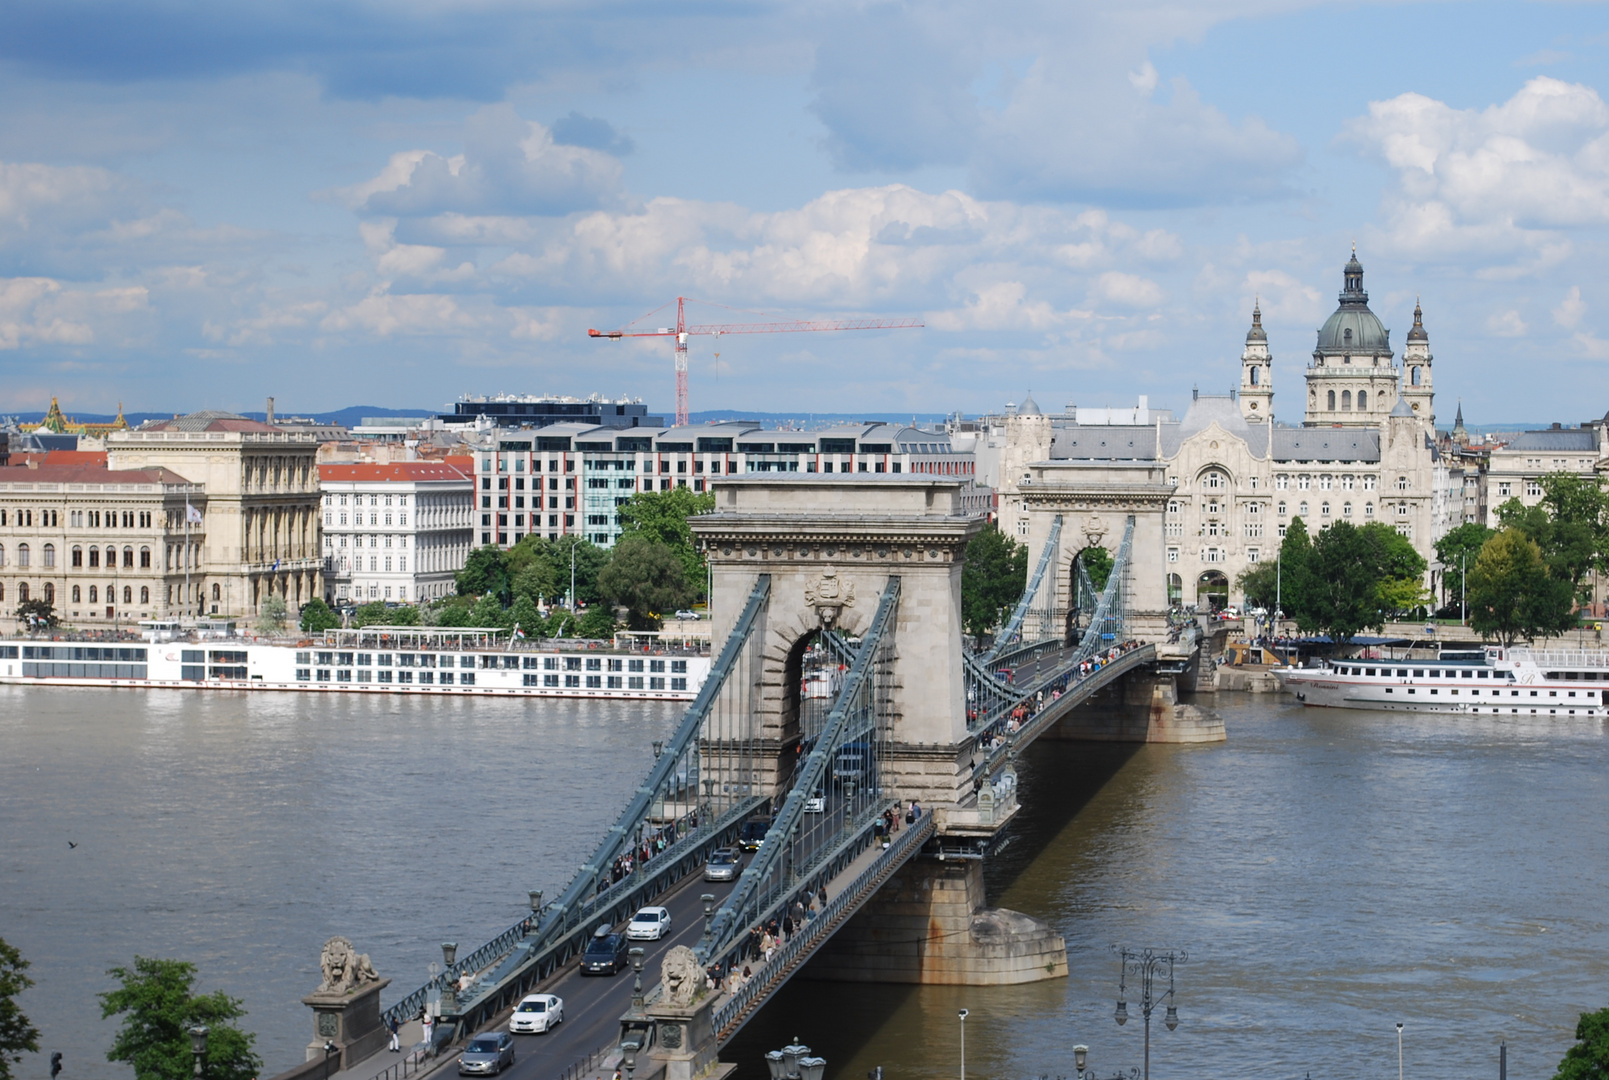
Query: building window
(50,592)
(1281,508)
(1363,400)
(1502,491)
(1173,554)
(77,558)
(1368,509)
(93,595)
(1324,510)
(1346,401)
(1402,483)
(1331,398)
(1532,489)
(1368,483)
(1304,482)
(1252,554)
(145,558)
(77,595)
(1346,509)
(145,594)
(22,556)
(50,555)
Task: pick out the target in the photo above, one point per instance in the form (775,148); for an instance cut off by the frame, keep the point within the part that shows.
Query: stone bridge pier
(1147,705)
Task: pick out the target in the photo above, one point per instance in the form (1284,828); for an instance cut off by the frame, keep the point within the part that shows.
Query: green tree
(1457,552)
(17,1035)
(647,578)
(487,612)
(596,622)
(374,613)
(1398,568)
(446,611)
(486,572)
(1259,583)
(317,617)
(271,615)
(1295,570)
(562,624)
(661,517)
(36,612)
(1512,594)
(1342,597)
(992,579)
(1097,564)
(1588,1059)
(1570,526)
(590,559)
(526,616)
(158,1010)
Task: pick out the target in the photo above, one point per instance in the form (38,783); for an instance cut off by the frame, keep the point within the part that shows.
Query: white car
(649,924)
(536,1014)
(816,804)
(687,614)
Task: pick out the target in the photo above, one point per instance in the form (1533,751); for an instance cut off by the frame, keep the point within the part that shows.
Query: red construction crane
(682,331)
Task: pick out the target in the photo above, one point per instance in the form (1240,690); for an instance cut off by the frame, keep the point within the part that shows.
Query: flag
(192,516)
(519,634)
(275,568)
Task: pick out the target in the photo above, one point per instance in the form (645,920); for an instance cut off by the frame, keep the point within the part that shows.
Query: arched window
(145,558)
(50,592)
(94,594)
(1363,400)
(22,555)
(1346,336)
(145,594)
(216,591)
(78,556)
(50,554)
(2,591)
(94,557)
(1255,376)
(2,554)
(128,594)
(77,594)
(128,557)
(1332,400)
(1346,400)
(1416,375)
(22,592)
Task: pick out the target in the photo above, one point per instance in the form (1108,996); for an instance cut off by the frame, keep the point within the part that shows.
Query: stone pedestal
(928,925)
(350,1020)
(684,1041)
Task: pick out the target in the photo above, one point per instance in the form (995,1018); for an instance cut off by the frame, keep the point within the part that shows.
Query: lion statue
(344,967)
(684,977)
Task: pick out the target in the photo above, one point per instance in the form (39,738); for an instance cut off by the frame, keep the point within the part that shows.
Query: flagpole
(187,555)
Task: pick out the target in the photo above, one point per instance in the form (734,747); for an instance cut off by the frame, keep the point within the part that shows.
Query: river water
(1329,873)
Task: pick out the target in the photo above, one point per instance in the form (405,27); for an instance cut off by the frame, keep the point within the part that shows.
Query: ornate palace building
(1233,478)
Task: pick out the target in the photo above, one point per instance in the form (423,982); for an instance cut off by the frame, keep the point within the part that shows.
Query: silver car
(487,1055)
(724,865)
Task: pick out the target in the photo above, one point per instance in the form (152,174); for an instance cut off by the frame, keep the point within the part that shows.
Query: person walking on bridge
(396,1044)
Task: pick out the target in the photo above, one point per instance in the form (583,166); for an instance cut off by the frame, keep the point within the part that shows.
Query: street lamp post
(198,1046)
(963,1015)
(329,1055)
(449,991)
(1145,965)
(1399,1050)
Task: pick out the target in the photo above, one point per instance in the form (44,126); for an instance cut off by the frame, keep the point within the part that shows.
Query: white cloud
(1506,324)
(1568,313)
(386,314)
(508,164)
(1284,298)
(1498,183)
(1001,306)
(1129,289)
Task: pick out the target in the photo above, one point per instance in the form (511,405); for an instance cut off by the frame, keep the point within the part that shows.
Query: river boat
(373,660)
(1489,681)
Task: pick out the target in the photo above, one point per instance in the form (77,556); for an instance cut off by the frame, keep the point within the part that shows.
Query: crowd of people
(1029,707)
(650,845)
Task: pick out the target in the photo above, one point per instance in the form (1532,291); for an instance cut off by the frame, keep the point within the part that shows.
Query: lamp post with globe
(1147,966)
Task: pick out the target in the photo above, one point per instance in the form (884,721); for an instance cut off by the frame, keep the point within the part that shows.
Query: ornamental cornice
(774,531)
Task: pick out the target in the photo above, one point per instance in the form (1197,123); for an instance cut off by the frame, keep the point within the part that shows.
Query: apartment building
(102,546)
(396,531)
(1515,471)
(566,479)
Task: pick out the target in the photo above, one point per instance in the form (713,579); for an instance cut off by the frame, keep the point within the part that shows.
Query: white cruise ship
(374,660)
(1493,681)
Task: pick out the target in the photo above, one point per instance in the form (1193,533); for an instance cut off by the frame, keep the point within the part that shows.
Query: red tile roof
(399,471)
(87,474)
(62,457)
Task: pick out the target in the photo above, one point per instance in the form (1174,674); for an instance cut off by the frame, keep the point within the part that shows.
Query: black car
(606,953)
(753,833)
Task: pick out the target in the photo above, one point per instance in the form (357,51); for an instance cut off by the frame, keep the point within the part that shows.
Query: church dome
(1029,406)
(1353,329)
(1256,333)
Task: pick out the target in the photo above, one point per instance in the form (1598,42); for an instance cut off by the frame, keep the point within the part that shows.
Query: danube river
(1329,873)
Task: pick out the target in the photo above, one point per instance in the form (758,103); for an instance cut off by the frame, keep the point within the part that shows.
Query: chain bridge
(845,708)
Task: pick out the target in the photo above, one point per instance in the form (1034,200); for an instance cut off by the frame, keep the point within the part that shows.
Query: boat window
(1485,674)
(1419,673)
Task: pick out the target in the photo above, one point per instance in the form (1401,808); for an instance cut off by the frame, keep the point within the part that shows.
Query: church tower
(1256,372)
(1417,389)
(1351,381)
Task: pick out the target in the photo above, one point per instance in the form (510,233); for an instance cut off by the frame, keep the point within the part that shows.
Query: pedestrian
(821,895)
(396,1044)
(430,1027)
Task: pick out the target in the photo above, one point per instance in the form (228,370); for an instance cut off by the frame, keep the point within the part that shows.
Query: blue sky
(396,203)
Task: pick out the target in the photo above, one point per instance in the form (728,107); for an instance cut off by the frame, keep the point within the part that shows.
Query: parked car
(649,924)
(753,833)
(686,614)
(536,1014)
(487,1055)
(606,953)
(724,865)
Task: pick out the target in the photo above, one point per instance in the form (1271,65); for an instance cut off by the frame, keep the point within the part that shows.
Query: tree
(1342,596)
(661,517)
(1457,552)
(1511,593)
(1259,583)
(1294,567)
(1588,1059)
(1097,564)
(526,616)
(596,622)
(158,1010)
(1570,526)
(317,617)
(450,610)
(487,612)
(272,614)
(486,571)
(17,1035)
(39,613)
(374,613)
(590,559)
(992,579)
(649,579)
(1399,569)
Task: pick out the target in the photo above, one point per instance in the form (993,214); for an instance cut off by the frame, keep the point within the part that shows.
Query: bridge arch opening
(1212,591)
(1097,562)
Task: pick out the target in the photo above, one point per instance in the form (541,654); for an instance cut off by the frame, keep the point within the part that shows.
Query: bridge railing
(765,980)
(1031,598)
(848,751)
(665,806)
